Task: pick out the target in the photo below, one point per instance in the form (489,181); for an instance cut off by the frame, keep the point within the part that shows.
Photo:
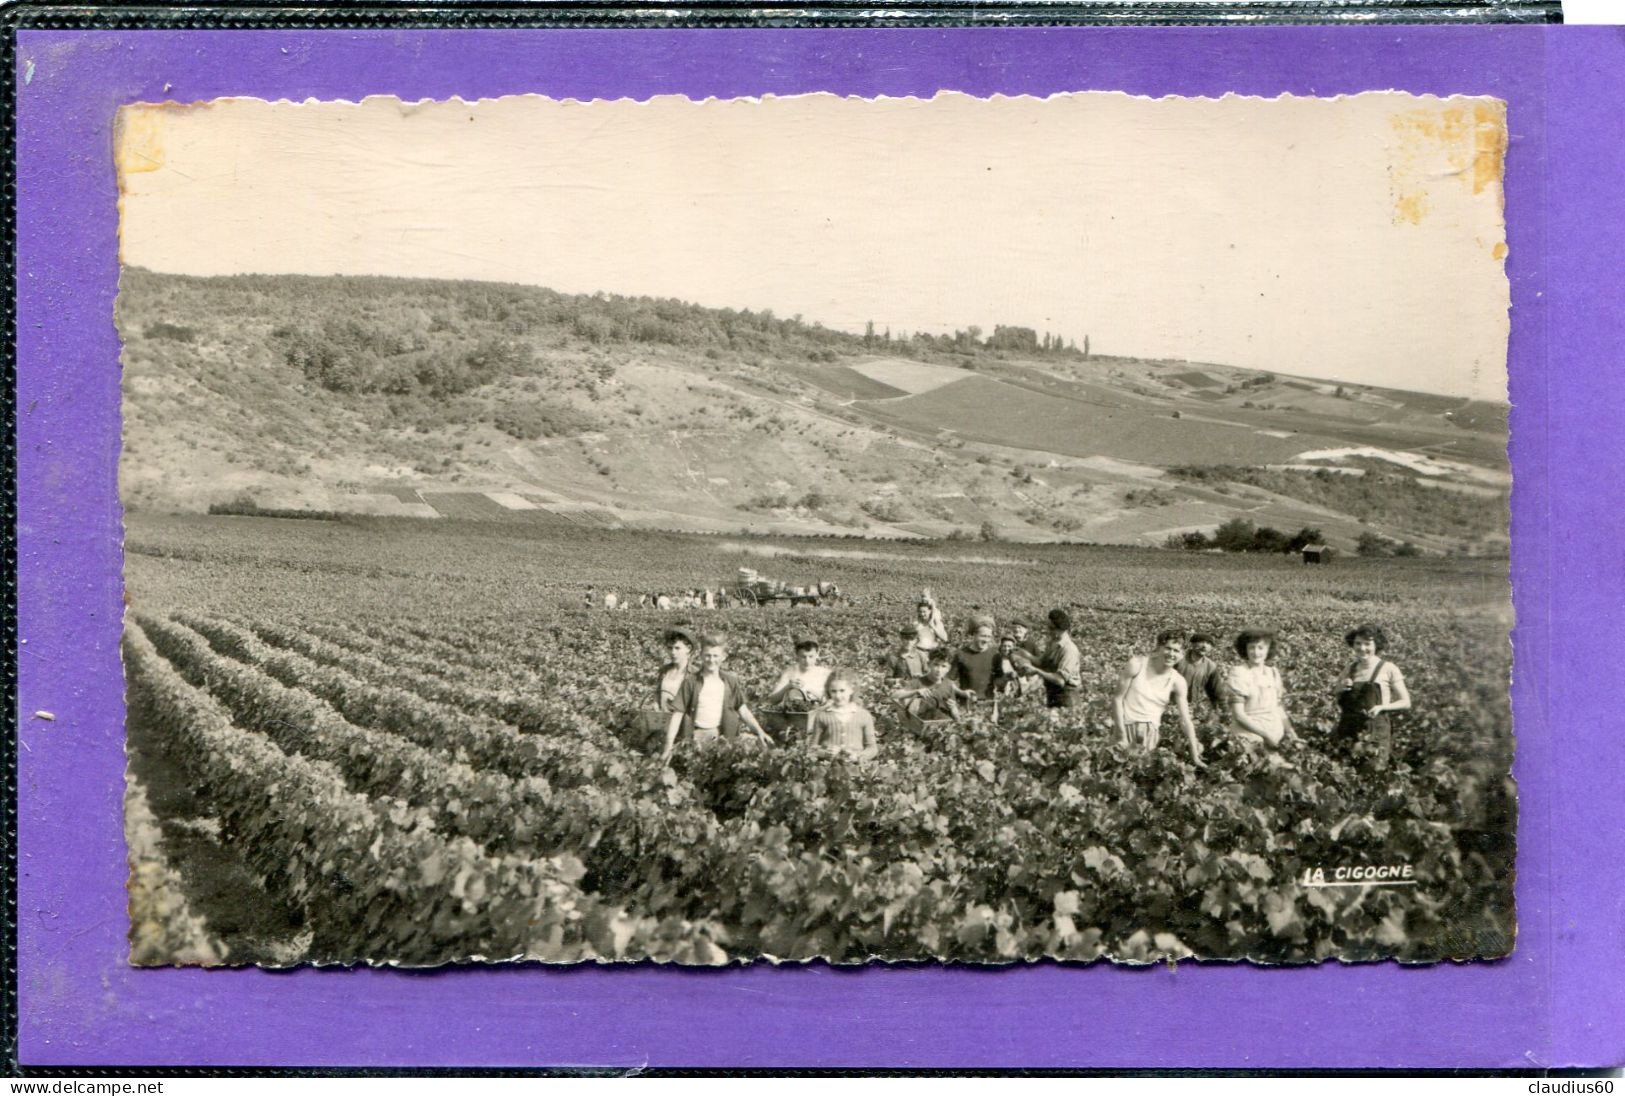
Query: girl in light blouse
(843,727)
(1256,693)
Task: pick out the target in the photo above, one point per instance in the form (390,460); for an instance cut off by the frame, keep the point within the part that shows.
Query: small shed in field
(1318,553)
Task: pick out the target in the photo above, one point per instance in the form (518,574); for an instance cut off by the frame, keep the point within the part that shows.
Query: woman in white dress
(1257,693)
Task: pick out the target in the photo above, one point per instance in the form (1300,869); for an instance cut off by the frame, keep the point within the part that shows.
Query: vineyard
(398,741)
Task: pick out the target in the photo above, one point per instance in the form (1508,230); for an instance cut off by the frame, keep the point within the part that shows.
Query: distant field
(986,410)
(471,505)
(1305,399)
(1074,389)
(1481,415)
(1424,401)
(1484,448)
(1194,380)
(510,500)
(597,519)
(478,506)
(910,377)
(1476,415)
(844,381)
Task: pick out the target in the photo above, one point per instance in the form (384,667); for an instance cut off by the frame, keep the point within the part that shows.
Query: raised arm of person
(1182,701)
(934,619)
(781,686)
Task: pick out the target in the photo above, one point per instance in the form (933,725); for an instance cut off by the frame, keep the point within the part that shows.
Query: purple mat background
(1556,1002)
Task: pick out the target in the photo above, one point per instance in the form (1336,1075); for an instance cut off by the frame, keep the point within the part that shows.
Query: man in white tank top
(1145,688)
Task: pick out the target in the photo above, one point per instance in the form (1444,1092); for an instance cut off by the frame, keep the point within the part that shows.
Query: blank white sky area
(1359,238)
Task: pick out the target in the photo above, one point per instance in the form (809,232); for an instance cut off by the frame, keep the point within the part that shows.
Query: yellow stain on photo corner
(139,140)
(1459,140)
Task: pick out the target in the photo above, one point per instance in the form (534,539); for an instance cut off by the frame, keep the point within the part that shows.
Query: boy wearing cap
(1007,668)
(1204,677)
(1061,667)
(1029,649)
(1032,645)
(907,663)
(679,642)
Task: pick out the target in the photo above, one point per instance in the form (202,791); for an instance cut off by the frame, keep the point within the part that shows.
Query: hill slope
(518,404)
(988,410)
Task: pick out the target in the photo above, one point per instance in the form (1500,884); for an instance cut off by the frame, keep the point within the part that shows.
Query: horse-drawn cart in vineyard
(755,589)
